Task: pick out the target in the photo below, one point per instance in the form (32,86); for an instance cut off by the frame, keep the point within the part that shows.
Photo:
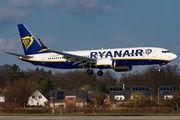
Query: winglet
(42,44)
(44,47)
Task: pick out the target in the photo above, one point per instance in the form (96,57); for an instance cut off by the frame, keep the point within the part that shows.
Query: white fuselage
(134,56)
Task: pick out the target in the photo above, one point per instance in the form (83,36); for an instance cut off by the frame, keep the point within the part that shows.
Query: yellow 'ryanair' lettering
(27,41)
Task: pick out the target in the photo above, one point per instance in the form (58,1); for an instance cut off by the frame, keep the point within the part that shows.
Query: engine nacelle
(111,63)
(120,68)
(104,62)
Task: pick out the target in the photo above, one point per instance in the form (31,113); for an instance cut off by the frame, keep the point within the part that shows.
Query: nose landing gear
(159,69)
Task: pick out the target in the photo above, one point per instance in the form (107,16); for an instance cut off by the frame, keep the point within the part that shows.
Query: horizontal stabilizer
(19,55)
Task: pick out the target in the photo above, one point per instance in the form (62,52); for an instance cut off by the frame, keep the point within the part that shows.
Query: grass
(128,114)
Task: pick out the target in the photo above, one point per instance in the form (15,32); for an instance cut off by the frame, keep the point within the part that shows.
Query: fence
(93,110)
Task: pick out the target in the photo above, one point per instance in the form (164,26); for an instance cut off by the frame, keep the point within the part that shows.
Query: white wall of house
(168,97)
(2,98)
(36,99)
(58,104)
(119,97)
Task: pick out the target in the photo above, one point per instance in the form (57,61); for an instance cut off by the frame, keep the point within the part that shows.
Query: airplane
(118,59)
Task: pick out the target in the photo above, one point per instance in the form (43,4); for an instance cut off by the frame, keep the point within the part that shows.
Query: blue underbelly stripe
(69,65)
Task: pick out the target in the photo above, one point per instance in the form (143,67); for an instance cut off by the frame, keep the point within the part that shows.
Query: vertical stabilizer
(29,43)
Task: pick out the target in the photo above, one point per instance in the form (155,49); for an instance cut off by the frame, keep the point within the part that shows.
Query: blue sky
(90,24)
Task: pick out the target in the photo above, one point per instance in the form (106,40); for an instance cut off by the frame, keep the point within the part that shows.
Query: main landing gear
(159,70)
(99,73)
(90,71)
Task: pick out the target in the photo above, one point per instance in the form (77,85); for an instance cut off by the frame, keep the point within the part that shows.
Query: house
(121,94)
(36,99)
(65,98)
(70,101)
(166,92)
(2,98)
(107,101)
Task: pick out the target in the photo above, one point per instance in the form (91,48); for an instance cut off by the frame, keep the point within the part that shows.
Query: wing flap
(77,62)
(75,58)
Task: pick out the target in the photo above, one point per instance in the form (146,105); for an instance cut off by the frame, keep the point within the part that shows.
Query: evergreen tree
(102,87)
(45,85)
(15,73)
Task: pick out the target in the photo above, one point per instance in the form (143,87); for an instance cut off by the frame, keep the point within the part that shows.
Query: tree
(4,75)
(18,92)
(74,80)
(176,100)
(152,78)
(109,78)
(15,73)
(99,98)
(100,95)
(137,99)
(102,87)
(86,87)
(45,85)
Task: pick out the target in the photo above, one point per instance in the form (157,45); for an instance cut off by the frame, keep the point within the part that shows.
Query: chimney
(123,86)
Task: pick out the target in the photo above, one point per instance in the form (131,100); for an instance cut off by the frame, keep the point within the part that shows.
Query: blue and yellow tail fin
(29,43)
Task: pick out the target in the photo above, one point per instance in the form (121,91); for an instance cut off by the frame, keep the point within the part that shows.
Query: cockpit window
(165,51)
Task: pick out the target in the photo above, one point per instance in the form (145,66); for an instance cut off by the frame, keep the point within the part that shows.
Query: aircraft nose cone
(173,56)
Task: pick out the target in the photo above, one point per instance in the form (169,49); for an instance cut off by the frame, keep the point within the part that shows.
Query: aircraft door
(154,53)
(43,60)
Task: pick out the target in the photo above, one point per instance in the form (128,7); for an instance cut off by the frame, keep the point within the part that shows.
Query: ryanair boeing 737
(118,59)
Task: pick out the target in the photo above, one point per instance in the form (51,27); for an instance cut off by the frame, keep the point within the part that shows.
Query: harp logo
(27,41)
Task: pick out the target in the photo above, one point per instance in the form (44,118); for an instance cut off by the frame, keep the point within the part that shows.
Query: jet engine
(111,63)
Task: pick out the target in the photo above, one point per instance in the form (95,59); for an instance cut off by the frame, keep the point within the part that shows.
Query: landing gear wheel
(159,70)
(90,71)
(100,73)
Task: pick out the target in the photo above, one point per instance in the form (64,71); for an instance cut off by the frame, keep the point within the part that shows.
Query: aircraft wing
(82,61)
(19,55)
